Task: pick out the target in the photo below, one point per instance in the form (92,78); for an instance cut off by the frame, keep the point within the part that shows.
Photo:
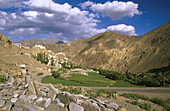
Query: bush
(74,91)
(158,101)
(145,106)
(147,81)
(111,74)
(101,91)
(69,65)
(3,78)
(40,74)
(55,74)
(134,96)
(154,100)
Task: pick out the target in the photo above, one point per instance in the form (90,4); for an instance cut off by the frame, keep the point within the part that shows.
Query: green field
(93,79)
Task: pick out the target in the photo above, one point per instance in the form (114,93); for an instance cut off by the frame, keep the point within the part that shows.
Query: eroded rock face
(16,97)
(121,53)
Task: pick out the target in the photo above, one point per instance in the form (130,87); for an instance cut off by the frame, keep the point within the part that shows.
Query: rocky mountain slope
(124,53)
(71,49)
(11,57)
(34,41)
(120,52)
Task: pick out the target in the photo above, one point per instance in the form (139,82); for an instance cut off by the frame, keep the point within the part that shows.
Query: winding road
(135,90)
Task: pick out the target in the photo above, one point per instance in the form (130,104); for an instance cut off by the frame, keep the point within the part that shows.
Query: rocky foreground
(30,96)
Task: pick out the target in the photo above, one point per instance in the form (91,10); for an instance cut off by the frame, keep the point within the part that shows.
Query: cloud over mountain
(123,29)
(115,10)
(63,20)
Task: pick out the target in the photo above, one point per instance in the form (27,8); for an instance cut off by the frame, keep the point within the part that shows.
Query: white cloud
(23,31)
(11,3)
(48,17)
(123,29)
(115,10)
(85,4)
(45,17)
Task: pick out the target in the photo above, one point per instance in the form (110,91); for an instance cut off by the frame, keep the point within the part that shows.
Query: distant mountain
(34,41)
(10,54)
(122,53)
(4,39)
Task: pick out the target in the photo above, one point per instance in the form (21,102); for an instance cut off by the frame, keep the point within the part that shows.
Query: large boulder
(88,106)
(75,107)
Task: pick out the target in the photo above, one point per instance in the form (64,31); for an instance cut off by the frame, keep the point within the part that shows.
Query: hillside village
(22,92)
(26,73)
(25,69)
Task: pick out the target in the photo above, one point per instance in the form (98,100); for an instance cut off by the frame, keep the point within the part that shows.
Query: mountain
(11,57)
(4,39)
(34,41)
(71,49)
(122,53)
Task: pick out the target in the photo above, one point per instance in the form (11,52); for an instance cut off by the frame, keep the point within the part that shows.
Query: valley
(91,67)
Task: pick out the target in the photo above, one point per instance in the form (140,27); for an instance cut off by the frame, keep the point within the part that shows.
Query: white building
(17,44)
(40,46)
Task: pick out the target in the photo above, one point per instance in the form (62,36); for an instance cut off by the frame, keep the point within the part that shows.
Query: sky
(69,20)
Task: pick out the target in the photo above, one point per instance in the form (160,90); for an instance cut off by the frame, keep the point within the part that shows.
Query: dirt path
(137,90)
(162,93)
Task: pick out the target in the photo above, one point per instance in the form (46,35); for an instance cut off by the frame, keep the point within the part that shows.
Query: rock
(89,106)
(32,107)
(112,106)
(7,106)
(52,92)
(52,107)
(63,98)
(36,88)
(115,96)
(31,88)
(22,101)
(48,101)
(31,98)
(13,100)
(7,93)
(99,101)
(122,109)
(72,99)
(41,103)
(26,85)
(60,104)
(15,95)
(17,108)
(7,97)
(2,103)
(75,107)
(27,79)
(43,93)
(11,79)
(39,99)
(60,108)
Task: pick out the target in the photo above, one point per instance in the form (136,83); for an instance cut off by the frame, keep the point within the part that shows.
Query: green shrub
(101,91)
(3,78)
(135,102)
(134,96)
(55,74)
(40,74)
(145,106)
(74,91)
(158,101)
(154,100)
(69,65)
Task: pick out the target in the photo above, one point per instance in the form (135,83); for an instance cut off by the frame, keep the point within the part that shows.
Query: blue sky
(72,19)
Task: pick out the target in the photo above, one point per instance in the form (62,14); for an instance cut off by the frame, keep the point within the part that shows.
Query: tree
(52,61)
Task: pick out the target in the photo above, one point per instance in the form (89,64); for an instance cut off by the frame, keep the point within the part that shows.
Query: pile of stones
(30,96)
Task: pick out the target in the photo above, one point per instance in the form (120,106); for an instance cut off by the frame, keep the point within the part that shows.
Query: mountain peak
(36,40)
